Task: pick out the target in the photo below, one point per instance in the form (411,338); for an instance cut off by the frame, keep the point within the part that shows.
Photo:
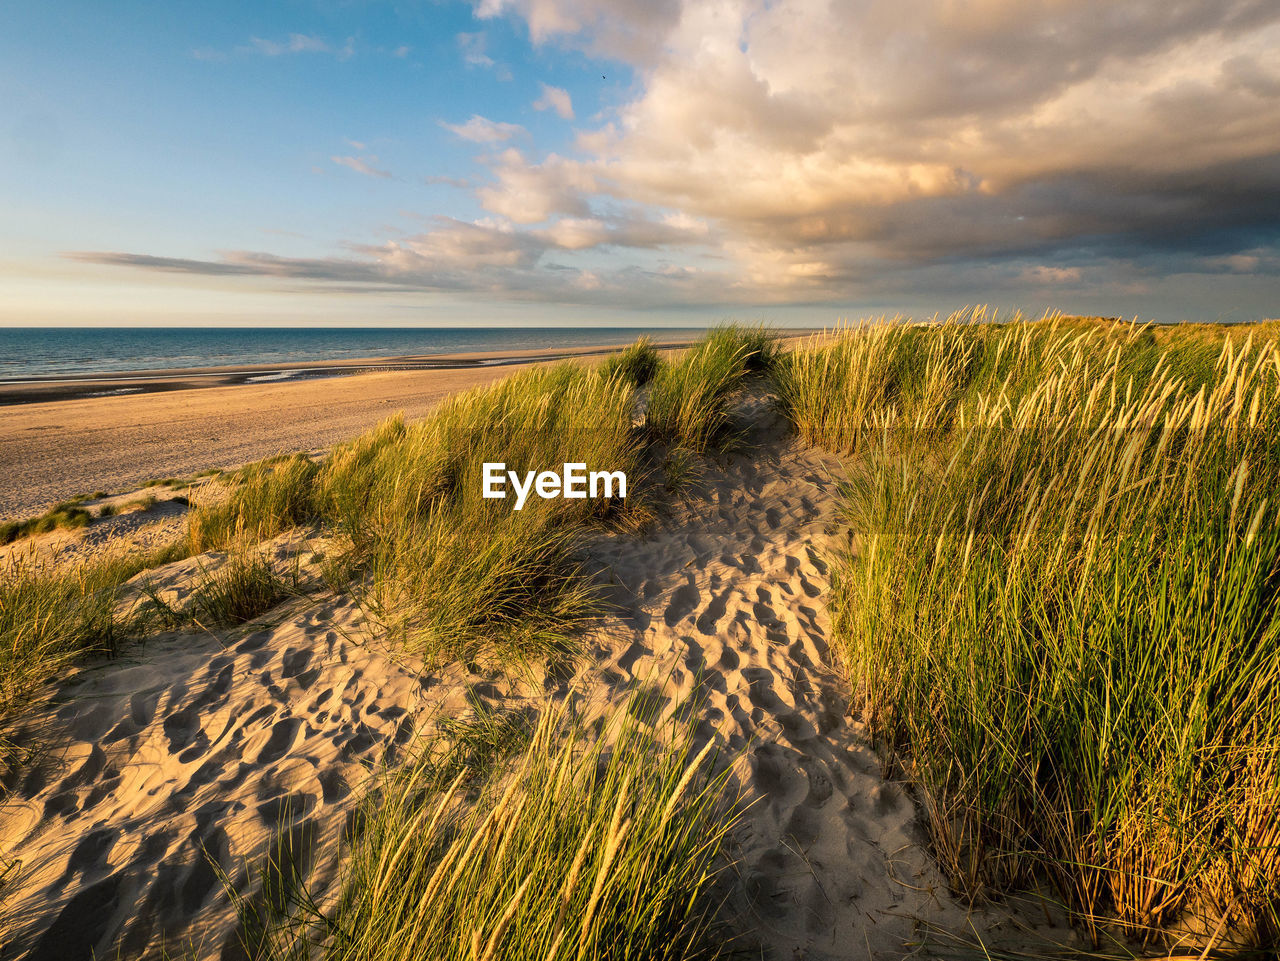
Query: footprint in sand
(684,600)
(714,611)
(282,737)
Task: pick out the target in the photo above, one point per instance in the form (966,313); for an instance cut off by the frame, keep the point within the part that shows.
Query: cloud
(631,229)
(448,181)
(823,138)
(530,193)
(1042,274)
(488,255)
(632,30)
(483,130)
(296,43)
(557,99)
(806,151)
(473,46)
(362,165)
(171,264)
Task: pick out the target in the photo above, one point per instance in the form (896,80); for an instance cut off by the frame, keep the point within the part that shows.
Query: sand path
(727,599)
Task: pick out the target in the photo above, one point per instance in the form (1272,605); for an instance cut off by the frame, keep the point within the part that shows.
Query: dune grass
(1061,619)
(636,364)
(454,575)
(51,614)
(590,844)
(69,515)
(923,379)
(689,398)
(450,573)
(272,496)
(243,588)
(446,571)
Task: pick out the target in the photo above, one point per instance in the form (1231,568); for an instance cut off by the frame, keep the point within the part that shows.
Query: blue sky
(630,162)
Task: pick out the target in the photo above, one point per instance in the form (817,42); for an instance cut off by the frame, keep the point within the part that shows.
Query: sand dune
(189,758)
(197,755)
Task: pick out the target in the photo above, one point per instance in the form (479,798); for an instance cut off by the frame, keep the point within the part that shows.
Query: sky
(636,162)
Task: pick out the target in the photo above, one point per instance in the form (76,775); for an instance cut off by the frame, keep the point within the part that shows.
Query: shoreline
(55,447)
(65,438)
(52,388)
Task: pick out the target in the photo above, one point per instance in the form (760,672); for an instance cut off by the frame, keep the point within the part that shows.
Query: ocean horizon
(27,352)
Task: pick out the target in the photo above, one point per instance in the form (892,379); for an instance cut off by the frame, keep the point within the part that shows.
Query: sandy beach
(181,422)
(682,481)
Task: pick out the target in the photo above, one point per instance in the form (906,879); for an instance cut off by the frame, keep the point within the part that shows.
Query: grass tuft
(238,591)
(66,516)
(584,848)
(51,614)
(689,398)
(636,364)
(274,496)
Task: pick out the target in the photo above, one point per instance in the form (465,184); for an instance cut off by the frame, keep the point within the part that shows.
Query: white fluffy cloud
(557,99)
(824,151)
(627,29)
(824,136)
(483,130)
(529,193)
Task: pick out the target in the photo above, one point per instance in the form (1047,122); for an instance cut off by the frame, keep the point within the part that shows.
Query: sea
(42,352)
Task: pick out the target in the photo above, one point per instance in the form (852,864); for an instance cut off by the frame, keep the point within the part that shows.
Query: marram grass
(69,515)
(592,844)
(53,613)
(688,406)
(1061,617)
(636,364)
(455,575)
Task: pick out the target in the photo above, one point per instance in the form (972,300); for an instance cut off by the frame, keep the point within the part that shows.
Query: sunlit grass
(449,573)
(267,498)
(689,398)
(51,614)
(591,844)
(69,516)
(636,364)
(1061,615)
(452,574)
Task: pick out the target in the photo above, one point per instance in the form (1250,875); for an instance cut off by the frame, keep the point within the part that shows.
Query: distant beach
(67,436)
(39,364)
